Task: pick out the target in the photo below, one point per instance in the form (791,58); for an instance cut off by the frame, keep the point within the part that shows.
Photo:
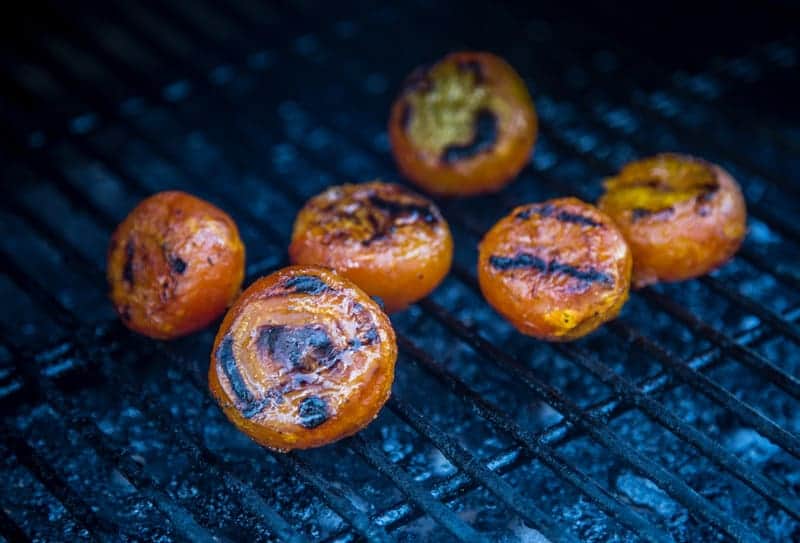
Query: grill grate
(306,111)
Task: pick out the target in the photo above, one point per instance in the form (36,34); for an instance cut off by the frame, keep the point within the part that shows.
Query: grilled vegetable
(556,270)
(174,265)
(391,242)
(465,125)
(302,359)
(682,216)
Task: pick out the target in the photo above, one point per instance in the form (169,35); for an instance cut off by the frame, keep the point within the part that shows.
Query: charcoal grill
(677,422)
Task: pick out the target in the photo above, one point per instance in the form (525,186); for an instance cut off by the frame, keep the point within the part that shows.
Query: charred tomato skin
(302,359)
(682,216)
(388,240)
(174,265)
(556,270)
(464,126)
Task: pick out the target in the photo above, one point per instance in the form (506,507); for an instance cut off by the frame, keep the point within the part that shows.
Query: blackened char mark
(527,260)
(177,264)
(306,284)
(484,139)
(392,211)
(474,67)
(396,210)
(312,412)
(298,348)
(549,210)
(639,213)
(127,268)
(227,360)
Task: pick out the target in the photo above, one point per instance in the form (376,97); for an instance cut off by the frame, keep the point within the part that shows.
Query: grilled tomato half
(682,216)
(174,264)
(556,270)
(464,126)
(390,241)
(303,358)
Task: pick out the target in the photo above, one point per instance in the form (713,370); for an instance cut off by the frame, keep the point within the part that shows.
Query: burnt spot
(396,210)
(306,284)
(393,212)
(529,261)
(483,140)
(474,67)
(312,412)
(127,268)
(371,336)
(227,360)
(639,213)
(549,210)
(300,348)
(177,264)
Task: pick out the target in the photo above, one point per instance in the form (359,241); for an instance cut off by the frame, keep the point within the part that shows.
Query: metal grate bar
(747,356)
(756,209)
(132,181)
(434,508)
(564,430)
(347,512)
(671,484)
(181,521)
(780,378)
(766,427)
(758,362)
(534,445)
(292,463)
(617,89)
(790,278)
(656,411)
(179,365)
(139,80)
(702,383)
(10,530)
(208,459)
(475,468)
(759,310)
(98,528)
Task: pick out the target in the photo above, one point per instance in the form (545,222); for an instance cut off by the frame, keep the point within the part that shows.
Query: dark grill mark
(526,260)
(306,284)
(639,213)
(313,411)
(393,211)
(127,269)
(229,365)
(303,348)
(177,264)
(475,68)
(396,210)
(484,139)
(371,336)
(548,210)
